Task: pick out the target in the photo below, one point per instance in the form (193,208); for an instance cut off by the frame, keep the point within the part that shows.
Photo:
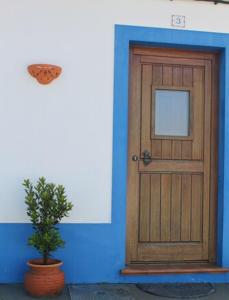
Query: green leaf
(47,204)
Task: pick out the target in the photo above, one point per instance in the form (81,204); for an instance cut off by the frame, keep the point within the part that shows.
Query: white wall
(63,131)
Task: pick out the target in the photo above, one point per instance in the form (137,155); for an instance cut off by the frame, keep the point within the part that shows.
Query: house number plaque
(178,21)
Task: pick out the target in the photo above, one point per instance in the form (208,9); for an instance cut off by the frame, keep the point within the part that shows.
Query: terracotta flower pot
(44,280)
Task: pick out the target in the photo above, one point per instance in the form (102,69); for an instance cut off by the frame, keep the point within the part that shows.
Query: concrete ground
(74,292)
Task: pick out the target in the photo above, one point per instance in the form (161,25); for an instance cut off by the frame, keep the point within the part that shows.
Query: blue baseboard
(92,254)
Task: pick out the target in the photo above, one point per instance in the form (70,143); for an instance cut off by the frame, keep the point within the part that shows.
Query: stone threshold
(137,269)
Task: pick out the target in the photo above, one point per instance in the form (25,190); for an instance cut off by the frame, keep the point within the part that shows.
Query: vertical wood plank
(156,145)
(176,208)
(176,149)
(214,159)
(186,208)
(167,75)
(166,151)
(156,149)
(144,208)
(186,147)
(157,74)
(157,78)
(198,104)
(187,77)
(207,157)
(146,108)
(177,76)
(133,147)
(165,207)
(197,208)
(155,209)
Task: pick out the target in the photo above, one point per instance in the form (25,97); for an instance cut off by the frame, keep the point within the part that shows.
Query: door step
(172,269)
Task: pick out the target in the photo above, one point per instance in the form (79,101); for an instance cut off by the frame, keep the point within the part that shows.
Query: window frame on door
(188,137)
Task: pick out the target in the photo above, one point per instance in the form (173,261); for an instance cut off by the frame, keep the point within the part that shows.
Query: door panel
(170,207)
(169,203)
(165,147)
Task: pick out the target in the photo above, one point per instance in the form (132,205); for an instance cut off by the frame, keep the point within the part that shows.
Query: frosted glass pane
(171,113)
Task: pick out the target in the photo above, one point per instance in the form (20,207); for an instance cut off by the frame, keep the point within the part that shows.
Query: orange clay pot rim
(44,66)
(32,263)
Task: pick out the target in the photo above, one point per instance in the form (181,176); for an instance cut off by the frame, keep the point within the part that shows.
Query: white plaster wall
(63,131)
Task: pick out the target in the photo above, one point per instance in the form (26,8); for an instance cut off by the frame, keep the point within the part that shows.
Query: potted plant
(46,204)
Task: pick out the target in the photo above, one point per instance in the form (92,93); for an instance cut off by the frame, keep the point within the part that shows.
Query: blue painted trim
(93,254)
(127,35)
(96,252)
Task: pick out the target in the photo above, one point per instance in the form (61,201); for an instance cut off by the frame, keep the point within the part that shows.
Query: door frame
(193,40)
(210,61)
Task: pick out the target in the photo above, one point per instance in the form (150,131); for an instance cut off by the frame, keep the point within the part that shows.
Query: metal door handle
(147,158)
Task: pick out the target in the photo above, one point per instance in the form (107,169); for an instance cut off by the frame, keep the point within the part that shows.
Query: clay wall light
(44,73)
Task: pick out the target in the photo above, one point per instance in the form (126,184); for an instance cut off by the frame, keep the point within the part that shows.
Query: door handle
(147,158)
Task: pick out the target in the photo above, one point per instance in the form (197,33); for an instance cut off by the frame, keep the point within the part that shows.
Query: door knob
(147,158)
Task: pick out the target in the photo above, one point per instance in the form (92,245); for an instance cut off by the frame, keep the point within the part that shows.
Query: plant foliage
(47,204)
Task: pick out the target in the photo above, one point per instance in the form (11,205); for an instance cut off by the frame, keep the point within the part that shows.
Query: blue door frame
(205,41)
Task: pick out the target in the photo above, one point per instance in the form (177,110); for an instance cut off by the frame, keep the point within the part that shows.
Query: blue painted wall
(96,252)
(93,253)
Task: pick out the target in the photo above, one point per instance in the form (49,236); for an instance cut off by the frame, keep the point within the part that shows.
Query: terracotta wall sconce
(44,73)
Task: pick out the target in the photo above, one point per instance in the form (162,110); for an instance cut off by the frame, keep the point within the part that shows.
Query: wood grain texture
(177,76)
(207,158)
(167,75)
(214,159)
(186,147)
(186,208)
(172,53)
(198,117)
(164,166)
(188,76)
(177,61)
(197,208)
(133,148)
(169,252)
(156,149)
(176,208)
(170,211)
(144,220)
(172,269)
(166,149)
(155,208)
(157,74)
(146,107)
(176,149)
(165,207)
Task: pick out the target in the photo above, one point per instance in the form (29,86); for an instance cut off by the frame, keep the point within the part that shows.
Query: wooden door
(172,166)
